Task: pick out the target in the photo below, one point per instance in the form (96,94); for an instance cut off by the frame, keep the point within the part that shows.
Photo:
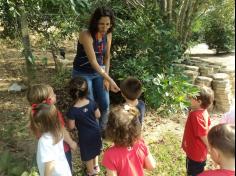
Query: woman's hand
(106,84)
(113,86)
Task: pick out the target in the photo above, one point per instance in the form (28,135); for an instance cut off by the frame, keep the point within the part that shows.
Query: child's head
(131,88)
(204,99)
(44,118)
(39,93)
(123,127)
(222,142)
(78,88)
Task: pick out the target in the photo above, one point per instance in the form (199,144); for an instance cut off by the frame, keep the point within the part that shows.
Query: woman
(92,60)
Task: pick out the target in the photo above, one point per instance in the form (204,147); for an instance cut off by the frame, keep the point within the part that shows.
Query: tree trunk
(54,52)
(189,19)
(30,68)
(169,9)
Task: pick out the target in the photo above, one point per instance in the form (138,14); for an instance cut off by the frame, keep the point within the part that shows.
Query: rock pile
(222,91)
(219,77)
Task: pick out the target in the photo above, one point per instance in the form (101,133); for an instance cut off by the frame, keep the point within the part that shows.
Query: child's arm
(49,167)
(205,141)
(97,113)
(71,124)
(69,140)
(111,172)
(149,162)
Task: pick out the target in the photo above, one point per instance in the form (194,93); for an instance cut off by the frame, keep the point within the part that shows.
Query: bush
(168,93)
(219,27)
(144,47)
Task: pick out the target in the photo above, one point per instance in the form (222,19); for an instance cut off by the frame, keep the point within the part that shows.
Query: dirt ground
(14,128)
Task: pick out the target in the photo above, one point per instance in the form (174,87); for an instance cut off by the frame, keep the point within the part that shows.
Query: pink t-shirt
(126,161)
(229,117)
(218,172)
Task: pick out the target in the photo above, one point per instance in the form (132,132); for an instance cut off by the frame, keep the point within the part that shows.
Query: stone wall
(219,78)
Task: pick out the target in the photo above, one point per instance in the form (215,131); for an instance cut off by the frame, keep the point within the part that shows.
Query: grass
(169,156)
(167,153)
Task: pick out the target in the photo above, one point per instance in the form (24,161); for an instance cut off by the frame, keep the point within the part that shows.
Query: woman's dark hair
(78,88)
(98,13)
(123,127)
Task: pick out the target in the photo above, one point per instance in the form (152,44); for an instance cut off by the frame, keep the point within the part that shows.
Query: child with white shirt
(51,159)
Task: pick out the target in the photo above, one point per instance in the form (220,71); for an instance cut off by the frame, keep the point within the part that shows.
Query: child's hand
(73,146)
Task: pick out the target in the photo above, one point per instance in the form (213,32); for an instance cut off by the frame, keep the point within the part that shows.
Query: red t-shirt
(218,172)
(195,128)
(126,161)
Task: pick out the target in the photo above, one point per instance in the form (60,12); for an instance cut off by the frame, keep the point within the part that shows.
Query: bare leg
(95,161)
(89,166)
(95,164)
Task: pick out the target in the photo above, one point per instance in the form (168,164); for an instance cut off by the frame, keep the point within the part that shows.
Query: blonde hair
(44,118)
(37,93)
(123,127)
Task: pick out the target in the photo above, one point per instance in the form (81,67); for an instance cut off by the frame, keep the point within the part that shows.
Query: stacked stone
(196,62)
(206,71)
(222,91)
(216,67)
(203,81)
(191,72)
(231,74)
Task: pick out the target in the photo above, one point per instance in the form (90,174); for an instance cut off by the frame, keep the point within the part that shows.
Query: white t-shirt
(47,151)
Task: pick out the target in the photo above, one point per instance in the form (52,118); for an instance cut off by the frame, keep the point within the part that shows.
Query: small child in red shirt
(194,141)
(129,155)
(222,150)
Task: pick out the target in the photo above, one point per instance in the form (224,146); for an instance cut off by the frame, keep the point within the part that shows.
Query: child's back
(126,160)
(222,150)
(48,151)
(129,155)
(218,172)
(131,89)
(51,159)
(88,129)
(84,116)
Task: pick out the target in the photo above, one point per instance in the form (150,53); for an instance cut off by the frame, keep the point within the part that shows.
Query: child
(42,93)
(84,116)
(51,159)
(195,142)
(129,154)
(131,89)
(222,150)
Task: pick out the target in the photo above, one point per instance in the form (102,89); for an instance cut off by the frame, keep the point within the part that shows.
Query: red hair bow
(33,106)
(46,101)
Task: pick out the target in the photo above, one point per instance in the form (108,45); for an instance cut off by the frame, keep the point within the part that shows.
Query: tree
(26,43)
(54,19)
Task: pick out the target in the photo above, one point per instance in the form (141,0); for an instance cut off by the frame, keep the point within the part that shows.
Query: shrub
(219,27)
(168,93)
(144,47)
